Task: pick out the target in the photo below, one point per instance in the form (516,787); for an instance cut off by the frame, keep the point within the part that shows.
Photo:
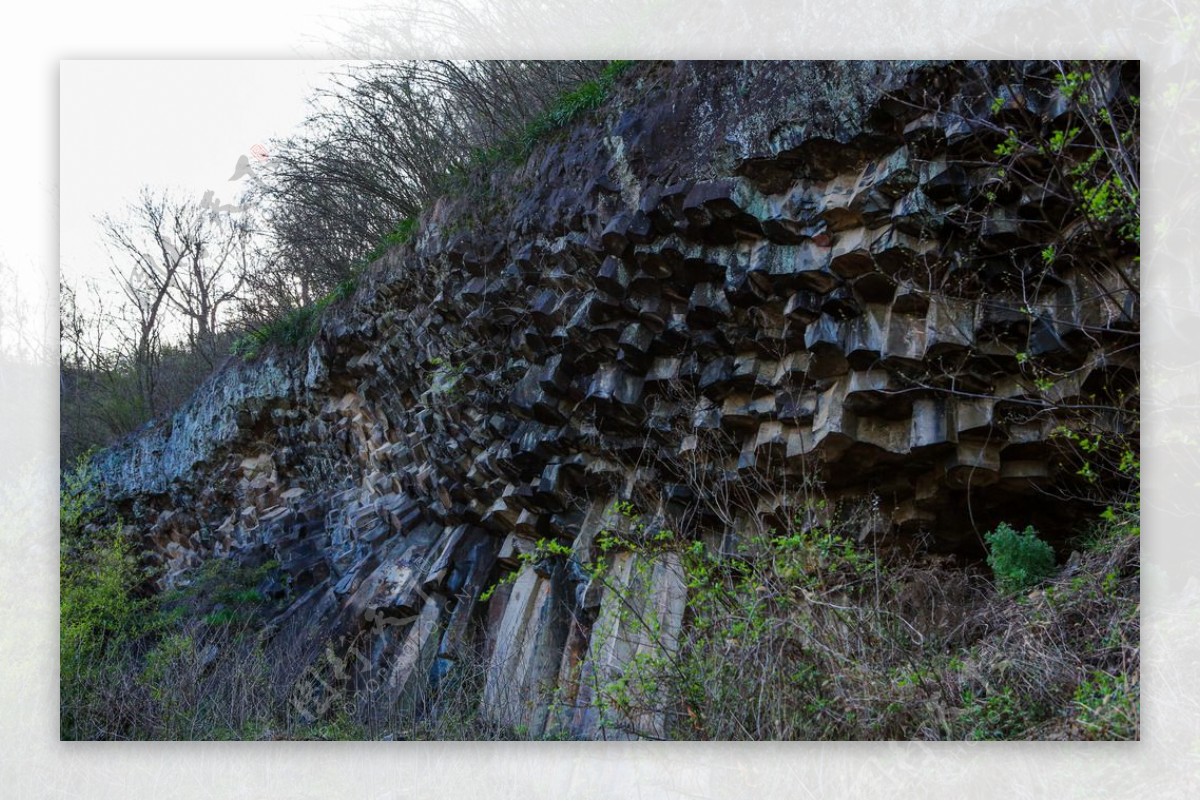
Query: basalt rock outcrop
(762,276)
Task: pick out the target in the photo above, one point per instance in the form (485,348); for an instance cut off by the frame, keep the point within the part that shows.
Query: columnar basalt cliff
(731,285)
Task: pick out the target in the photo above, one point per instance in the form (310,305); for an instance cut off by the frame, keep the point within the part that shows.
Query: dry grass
(803,636)
(888,647)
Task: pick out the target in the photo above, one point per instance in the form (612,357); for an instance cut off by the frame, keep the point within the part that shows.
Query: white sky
(180,125)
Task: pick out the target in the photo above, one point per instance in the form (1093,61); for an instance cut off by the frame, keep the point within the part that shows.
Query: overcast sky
(169,124)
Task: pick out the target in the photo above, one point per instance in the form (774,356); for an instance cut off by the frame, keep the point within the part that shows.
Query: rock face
(734,281)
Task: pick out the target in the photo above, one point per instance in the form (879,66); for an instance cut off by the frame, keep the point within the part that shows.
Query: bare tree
(212,278)
(180,267)
(147,250)
(98,389)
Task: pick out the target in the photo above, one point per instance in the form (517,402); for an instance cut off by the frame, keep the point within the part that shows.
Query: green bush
(1019,561)
(98,606)
(98,570)
(77,498)
(101,612)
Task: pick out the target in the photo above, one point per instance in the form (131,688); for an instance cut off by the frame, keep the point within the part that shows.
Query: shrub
(381,143)
(802,634)
(101,612)
(77,499)
(1018,560)
(98,605)
(98,571)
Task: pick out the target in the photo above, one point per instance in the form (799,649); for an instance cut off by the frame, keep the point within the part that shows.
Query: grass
(297,327)
(202,662)
(401,234)
(797,635)
(806,636)
(568,107)
(294,328)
